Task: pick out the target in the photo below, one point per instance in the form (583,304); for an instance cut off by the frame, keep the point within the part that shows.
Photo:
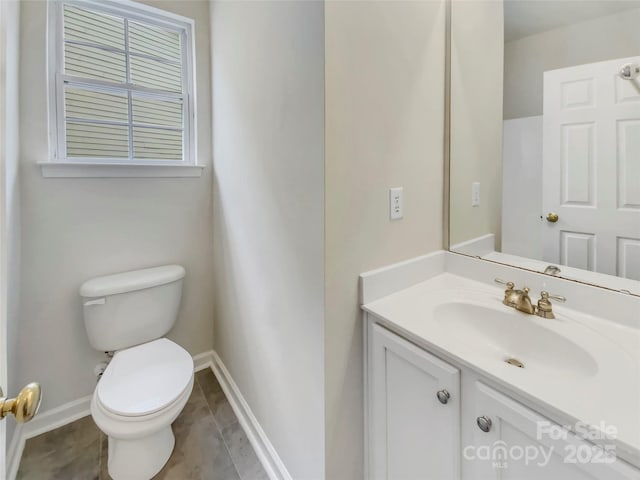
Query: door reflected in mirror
(545,137)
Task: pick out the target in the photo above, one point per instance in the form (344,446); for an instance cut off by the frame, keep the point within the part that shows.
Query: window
(121,87)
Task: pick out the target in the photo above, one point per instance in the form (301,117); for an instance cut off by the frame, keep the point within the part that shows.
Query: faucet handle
(546,296)
(509,285)
(510,295)
(545,308)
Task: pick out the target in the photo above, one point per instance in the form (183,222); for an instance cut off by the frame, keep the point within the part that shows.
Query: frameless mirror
(545,137)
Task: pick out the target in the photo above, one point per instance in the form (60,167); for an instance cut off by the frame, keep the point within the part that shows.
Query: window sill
(110,170)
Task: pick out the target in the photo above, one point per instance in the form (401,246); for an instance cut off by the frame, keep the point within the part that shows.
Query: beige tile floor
(210,445)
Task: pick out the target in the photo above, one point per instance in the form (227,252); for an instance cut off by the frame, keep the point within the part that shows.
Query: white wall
(522,187)
(10,216)
(384,78)
(476,117)
(295,353)
(268,105)
(75,229)
(525,60)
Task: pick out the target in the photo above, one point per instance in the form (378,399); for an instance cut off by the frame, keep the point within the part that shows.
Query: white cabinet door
(413,436)
(513,448)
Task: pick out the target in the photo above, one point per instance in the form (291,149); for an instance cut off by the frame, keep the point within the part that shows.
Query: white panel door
(591,168)
(513,448)
(412,434)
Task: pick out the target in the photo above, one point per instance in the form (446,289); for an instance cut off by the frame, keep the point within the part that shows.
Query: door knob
(24,406)
(443,396)
(629,71)
(484,423)
(552,217)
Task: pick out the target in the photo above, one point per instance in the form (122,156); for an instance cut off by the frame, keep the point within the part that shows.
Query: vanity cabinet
(415,412)
(524,445)
(476,432)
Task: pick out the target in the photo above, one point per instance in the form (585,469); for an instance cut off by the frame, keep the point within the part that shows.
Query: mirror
(544,165)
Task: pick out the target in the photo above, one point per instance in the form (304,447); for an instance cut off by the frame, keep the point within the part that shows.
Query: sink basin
(508,334)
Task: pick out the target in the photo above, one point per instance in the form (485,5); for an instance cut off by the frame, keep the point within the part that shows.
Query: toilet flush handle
(95,301)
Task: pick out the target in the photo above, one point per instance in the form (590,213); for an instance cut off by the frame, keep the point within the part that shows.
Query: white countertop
(609,392)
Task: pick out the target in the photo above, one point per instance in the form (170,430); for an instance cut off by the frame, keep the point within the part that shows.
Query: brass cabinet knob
(552,217)
(25,406)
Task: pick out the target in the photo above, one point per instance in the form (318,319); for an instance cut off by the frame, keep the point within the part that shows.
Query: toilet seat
(145,379)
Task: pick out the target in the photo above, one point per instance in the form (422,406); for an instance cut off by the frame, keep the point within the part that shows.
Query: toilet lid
(146,378)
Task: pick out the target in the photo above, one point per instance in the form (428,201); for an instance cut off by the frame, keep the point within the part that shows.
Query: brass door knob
(25,406)
(552,217)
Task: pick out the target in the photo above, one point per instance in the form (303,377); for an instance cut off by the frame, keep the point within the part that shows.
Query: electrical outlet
(475,194)
(395,203)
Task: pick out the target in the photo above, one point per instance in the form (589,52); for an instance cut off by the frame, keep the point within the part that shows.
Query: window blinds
(122,88)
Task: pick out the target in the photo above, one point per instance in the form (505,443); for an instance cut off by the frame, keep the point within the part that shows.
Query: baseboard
(265,451)
(63,415)
(202,360)
(57,417)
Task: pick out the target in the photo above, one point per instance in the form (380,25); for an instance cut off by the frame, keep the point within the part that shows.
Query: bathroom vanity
(461,386)
(543,136)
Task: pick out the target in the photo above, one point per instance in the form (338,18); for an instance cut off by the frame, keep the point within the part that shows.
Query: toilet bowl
(149,379)
(141,393)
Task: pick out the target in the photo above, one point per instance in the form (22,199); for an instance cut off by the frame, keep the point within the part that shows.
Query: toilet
(148,381)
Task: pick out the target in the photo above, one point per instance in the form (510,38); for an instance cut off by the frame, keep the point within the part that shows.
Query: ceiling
(526,17)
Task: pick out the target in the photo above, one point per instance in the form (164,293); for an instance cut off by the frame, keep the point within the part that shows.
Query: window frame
(58,163)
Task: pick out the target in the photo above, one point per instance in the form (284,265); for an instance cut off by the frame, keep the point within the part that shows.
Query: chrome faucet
(520,300)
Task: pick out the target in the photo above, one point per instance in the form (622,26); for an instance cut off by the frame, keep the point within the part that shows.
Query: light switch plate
(475,194)
(395,203)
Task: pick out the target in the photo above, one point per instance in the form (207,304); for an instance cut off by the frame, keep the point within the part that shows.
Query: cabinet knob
(484,423)
(443,396)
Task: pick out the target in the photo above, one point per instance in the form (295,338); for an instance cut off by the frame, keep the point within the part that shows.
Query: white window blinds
(122,87)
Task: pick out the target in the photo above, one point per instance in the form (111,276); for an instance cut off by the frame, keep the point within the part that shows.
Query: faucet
(551,270)
(520,300)
(523,302)
(510,294)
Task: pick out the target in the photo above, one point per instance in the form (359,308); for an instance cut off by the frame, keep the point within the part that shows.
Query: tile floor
(210,445)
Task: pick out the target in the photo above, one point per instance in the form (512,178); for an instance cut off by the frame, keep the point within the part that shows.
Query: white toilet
(149,379)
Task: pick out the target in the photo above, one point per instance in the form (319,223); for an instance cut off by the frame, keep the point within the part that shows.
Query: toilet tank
(131,308)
